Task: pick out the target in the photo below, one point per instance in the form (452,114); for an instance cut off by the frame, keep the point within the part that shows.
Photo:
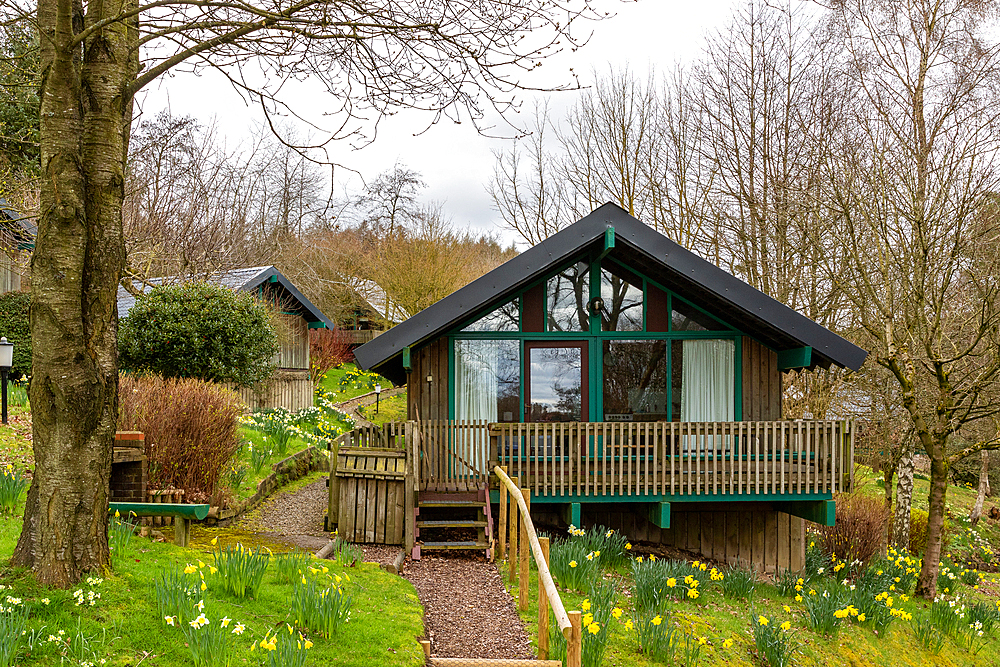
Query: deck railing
(683,458)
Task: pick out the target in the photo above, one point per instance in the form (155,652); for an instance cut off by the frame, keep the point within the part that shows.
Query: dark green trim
(797,357)
(823,512)
(609,243)
(316,325)
(272,279)
(659,514)
(644,498)
(25,246)
(571,514)
(407,362)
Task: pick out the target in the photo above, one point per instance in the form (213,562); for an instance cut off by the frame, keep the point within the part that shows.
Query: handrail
(562,618)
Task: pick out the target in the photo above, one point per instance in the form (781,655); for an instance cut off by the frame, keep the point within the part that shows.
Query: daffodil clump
(573,564)
(281,649)
(238,570)
(320,601)
(208,640)
(13,621)
(656,581)
(12,485)
(773,640)
(597,612)
(120,533)
(736,583)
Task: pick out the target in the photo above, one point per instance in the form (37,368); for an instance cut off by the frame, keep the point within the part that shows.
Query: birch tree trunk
(904,499)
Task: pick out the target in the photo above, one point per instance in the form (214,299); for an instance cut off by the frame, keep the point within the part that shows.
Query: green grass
(331,382)
(15,441)
(392,409)
(718,619)
(124,627)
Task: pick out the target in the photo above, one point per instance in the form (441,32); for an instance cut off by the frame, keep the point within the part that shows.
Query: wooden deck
(592,461)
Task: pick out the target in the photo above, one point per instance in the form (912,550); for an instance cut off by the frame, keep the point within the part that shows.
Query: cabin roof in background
(239,280)
(645,250)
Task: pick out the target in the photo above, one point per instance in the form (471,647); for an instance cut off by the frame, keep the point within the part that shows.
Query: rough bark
(927,581)
(984,483)
(79,254)
(904,499)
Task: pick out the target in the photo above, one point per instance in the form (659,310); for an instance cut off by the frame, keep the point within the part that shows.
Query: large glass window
(488,380)
(703,380)
(556,389)
(622,296)
(635,380)
(504,318)
(566,296)
(686,317)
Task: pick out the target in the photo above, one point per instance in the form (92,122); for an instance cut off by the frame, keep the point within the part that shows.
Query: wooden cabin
(290,387)
(17,237)
(626,382)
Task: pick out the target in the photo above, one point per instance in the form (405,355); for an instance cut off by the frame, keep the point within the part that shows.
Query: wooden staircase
(453,521)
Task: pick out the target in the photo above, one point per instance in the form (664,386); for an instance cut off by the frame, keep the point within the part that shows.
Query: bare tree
(453,58)
(912,186)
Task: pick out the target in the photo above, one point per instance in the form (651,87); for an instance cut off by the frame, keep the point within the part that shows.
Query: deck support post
(659,514)
(823,512)
(543,605)
(522,580)
(572,514)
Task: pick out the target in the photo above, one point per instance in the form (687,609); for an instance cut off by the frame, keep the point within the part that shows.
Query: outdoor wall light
(430,378)
(6,361)
(596,305)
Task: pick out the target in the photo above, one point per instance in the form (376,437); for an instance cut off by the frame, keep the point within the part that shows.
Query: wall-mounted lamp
(430,378)
(595,305)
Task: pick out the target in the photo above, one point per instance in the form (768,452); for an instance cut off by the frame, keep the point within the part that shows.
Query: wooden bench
(183,513)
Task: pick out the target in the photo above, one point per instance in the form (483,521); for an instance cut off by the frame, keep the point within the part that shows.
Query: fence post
(522,583)
(409,481)
(574,645)
(503,518)
(543,605)
(512,515)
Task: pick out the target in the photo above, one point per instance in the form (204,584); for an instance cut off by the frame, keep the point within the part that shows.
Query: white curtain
(477,365)
(708,382)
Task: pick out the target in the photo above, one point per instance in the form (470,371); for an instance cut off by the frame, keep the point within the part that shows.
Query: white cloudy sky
(455,161)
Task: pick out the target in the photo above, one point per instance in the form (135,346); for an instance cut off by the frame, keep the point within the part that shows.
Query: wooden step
(454,545)
(452,523)
(457,504)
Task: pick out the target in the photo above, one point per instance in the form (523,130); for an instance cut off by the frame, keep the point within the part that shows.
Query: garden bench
(183,513)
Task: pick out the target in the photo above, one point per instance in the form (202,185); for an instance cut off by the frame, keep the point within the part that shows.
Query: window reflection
(556,384)
(622,295)
(504,318)
(487,380)
(686,317)
(635,380)
(566,295)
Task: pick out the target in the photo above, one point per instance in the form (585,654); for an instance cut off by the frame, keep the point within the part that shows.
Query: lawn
(346,382)
(124,626)
(391,409)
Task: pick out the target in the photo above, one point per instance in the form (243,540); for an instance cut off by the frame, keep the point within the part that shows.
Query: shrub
(14,325)
(918,532)
(859,530)
(200,331)
(328,348)
(191,427)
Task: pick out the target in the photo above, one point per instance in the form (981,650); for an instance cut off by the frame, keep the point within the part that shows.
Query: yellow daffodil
(657,620)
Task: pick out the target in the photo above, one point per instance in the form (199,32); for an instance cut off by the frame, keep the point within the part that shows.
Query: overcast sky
(455,161)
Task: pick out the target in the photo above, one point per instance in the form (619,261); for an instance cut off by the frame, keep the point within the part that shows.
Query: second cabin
(625,381)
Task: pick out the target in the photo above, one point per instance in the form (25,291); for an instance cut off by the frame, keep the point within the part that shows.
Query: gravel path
(467,612)
(296,518)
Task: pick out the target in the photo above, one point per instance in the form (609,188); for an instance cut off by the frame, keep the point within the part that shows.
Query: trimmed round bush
(15,326)
(199,330)
(918,532)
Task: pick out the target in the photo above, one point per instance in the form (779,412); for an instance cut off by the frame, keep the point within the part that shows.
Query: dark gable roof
(20,225)
(240,280)
(647,251)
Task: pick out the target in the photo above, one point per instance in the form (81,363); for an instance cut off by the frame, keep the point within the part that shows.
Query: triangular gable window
(504,318)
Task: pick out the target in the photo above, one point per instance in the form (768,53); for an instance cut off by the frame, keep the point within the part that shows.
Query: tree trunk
(927,582)
(75,268)
(904,499)
(984,482)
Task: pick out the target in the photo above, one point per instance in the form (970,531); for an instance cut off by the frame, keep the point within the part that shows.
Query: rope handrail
(562,618)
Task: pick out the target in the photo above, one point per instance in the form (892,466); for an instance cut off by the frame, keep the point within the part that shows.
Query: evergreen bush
(199,330)
(15,326)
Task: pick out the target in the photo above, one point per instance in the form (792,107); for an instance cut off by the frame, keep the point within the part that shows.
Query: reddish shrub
(191,427)
(328,348)
(860,529)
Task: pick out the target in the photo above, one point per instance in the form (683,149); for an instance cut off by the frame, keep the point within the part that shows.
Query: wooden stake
(522,581)
(574,645)
(543,605)
(503,519)
(426,645)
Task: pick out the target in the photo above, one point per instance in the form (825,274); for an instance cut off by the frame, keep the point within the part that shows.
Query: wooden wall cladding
(764,539)
(292,390)
(428,400)
(761,382)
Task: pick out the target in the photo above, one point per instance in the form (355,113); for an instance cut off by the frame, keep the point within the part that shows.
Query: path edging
(287,470)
